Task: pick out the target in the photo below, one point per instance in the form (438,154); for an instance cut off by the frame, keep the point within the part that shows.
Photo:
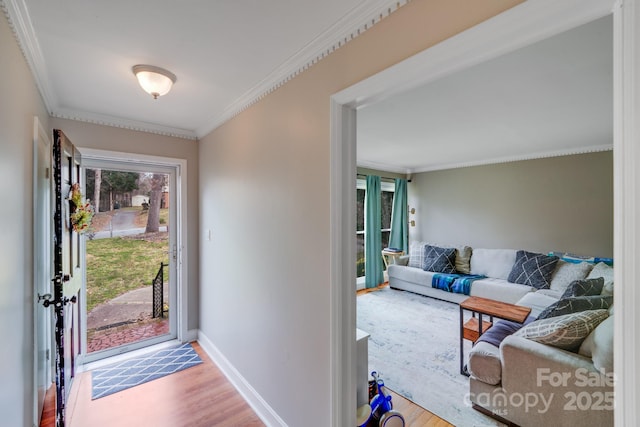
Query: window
(386,200)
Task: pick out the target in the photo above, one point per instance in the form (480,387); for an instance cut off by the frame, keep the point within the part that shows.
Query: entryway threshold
(127,355)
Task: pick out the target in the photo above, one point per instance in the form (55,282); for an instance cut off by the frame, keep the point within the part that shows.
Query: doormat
(130,373)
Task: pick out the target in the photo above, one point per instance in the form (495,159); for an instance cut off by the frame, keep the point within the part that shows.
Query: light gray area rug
(414,346)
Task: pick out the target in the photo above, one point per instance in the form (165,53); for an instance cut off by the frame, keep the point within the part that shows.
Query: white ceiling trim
(20,23)
(382,167)
(350,26)
(509,159)
(101,119)
(357,21)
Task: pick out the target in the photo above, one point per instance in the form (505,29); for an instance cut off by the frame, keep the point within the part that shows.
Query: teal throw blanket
(457,283)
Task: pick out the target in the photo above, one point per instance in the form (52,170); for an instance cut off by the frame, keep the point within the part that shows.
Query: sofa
(494,264)
(529,378)
(557,368)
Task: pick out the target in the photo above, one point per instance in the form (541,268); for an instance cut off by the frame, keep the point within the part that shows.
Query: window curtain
(372,233)
(398,237)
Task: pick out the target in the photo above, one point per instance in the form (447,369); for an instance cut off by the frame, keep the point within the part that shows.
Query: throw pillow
(533,269)
(502,329)
(463,259)
(439,260)
(416,254)
(567,272)
(575,305)
(586,287)
(566,332)
(603,270)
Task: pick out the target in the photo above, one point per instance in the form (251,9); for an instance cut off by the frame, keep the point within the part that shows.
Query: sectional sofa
(557,369)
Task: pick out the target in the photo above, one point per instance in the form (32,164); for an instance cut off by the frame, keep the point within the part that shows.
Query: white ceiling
(551,98)
(226,54)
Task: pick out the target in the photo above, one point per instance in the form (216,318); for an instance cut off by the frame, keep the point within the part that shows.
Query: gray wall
(19,103)
(560,203)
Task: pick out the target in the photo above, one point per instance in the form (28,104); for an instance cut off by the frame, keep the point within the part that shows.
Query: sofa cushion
(567,272)
(499,289)
(533,269)
(537,301)
(599,346)
(603,270)
(439,260)
(495,263)
(584,288)
(566,332)
(576,304)
(484,363)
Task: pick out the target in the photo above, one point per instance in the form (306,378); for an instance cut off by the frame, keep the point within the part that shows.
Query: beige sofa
(528,383)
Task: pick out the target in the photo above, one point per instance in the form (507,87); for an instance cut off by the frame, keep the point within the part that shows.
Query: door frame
(522,25)
(42,270)
(179,170)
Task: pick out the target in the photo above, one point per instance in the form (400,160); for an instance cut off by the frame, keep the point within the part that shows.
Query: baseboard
(191,335)
(257,403)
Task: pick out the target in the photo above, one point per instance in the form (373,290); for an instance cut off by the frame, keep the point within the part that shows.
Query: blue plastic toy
(382,413)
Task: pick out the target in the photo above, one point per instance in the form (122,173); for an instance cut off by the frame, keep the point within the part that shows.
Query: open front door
(67,275)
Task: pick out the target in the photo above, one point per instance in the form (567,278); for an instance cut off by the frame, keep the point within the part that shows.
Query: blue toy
(382,413)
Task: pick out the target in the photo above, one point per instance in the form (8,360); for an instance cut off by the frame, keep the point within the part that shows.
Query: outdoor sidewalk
(125,319)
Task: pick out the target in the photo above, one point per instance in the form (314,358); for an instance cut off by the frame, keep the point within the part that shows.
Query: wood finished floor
(200,396)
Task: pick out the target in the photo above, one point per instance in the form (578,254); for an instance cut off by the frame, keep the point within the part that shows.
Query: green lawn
(119,265)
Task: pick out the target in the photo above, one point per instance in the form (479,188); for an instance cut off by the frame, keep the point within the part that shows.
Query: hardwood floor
(414,415)
(198,396)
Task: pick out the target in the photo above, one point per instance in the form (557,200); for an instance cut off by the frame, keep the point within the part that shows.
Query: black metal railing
(158,292)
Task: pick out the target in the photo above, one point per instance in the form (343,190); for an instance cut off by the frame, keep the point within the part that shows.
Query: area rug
(414,346)
(132,372)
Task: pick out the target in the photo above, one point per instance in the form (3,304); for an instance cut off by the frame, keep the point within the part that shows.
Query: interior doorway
(130,256)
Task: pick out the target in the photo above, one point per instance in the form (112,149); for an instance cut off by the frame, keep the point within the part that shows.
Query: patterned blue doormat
(133,372)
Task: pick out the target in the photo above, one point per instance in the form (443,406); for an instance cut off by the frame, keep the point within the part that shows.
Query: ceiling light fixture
(154,80)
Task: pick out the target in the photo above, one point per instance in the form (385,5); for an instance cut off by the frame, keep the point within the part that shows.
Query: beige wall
(553,204)
(264,193)
(19,103)
(126,141)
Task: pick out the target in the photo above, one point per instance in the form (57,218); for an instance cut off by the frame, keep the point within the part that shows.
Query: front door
(67,274)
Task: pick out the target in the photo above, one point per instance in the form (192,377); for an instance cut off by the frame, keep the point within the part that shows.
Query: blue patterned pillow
(533,269)
(439,260)
(586,287)
(576,305)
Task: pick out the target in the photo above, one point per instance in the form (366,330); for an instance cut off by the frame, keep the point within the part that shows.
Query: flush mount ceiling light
(154,80)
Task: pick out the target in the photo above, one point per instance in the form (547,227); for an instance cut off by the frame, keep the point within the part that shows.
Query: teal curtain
(398,238)
(372,233)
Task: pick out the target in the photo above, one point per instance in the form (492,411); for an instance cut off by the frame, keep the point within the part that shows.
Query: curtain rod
(362,175)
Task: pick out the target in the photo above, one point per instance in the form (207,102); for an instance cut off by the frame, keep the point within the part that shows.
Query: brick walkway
(124,334)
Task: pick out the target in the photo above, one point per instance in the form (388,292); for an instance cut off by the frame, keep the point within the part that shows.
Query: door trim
(41,271)
(524,24)
(181,203)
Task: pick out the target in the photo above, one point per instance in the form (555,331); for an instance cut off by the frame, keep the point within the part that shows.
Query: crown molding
(484,162)
(517,158)
(383,167)
(350,26)
(17,15)
(104,120)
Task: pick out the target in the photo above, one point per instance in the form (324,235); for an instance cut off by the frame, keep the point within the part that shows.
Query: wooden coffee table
(474,327)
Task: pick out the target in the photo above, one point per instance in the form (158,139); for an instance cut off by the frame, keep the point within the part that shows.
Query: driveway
(122,224)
